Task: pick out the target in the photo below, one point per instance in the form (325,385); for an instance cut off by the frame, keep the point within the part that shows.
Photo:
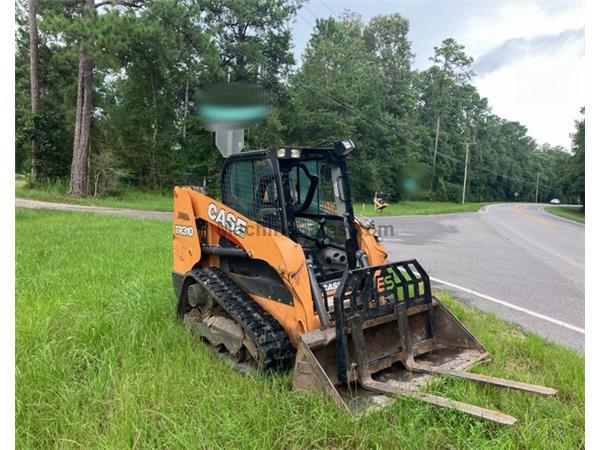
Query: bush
(447,192)
(53,186)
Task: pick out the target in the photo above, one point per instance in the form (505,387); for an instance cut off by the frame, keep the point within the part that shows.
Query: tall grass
(575,213)
(127,198)
(418,208)
(101,362)
(163,201)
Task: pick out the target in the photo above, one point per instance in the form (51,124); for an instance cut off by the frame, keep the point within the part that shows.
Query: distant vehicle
(555,201)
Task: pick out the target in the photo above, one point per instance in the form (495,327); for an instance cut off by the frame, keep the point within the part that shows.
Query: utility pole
(537,183)
(437,137)
(466,168)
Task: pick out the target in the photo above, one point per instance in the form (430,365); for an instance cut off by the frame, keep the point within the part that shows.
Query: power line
(310,24)
(327,6)
(309,11)
(391,129)
(382,124)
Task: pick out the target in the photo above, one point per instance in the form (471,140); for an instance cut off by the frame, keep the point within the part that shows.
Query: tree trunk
(35,85)
(78,183)
(83,118)
(154,169)
(439,113)
(185,107)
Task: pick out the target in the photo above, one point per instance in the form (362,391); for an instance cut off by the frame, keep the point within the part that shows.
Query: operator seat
(266,203)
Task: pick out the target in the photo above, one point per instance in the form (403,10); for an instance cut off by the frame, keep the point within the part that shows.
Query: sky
(528,55)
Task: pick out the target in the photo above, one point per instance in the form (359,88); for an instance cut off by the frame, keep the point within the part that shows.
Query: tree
(253,37)
(35,83)
(254,42)
(338,93)
(455,67)
(386,40)
(146,66)
(388,47)
(575,167)
(51,128)
(78,182)
(144,105)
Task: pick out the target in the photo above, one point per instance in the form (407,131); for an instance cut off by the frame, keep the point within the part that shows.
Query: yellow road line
(533,217)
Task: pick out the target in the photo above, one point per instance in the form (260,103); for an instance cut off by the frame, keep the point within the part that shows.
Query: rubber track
(273,344)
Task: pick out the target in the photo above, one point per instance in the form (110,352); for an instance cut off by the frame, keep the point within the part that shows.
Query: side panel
(281,253)
(286,316)
(186,243)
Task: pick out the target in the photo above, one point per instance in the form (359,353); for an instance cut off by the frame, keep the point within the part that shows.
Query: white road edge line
(510,305)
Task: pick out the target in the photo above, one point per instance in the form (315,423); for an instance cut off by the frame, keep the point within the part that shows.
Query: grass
(101,362)
(419,208)
(130,198)
(159,201)
(575,213)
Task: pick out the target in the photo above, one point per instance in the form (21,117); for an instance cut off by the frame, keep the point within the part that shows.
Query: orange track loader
(281,272)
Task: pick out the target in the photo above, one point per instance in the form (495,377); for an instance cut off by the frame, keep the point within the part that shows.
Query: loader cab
(302,193)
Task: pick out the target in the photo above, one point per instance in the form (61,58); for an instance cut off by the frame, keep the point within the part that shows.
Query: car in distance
(555,201)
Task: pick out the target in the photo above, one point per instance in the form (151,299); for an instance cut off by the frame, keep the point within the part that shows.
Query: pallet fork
(391,336)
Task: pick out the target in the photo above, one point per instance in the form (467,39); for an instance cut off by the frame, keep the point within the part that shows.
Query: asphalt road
(515,260)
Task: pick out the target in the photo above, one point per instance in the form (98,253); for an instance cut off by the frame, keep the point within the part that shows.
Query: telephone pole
(437,137)
(466,168)
(537,183)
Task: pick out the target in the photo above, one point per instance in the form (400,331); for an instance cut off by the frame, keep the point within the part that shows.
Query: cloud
(544,92)
(529,63)
(515,49)
(499,22)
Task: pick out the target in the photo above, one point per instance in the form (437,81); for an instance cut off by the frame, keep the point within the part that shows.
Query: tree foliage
(355,80)
(574,177)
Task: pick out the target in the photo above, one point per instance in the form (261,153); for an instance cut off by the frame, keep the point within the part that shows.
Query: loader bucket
(390,337)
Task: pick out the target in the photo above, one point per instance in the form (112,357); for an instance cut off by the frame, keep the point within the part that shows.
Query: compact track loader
(281,272)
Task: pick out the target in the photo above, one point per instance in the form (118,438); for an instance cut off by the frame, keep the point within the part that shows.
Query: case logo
(227,220)
(330,286)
